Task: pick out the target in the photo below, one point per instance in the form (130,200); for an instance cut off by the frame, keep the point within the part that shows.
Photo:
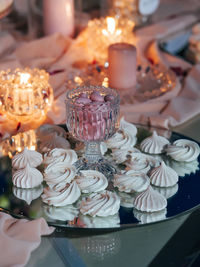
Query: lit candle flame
(24,77)
(111,27)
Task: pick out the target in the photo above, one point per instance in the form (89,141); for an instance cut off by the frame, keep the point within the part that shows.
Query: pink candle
(58,16)
(122,66)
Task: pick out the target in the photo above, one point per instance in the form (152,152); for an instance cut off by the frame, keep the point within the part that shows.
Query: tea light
(25,94)
(58,17)
(122,66)
(106,31)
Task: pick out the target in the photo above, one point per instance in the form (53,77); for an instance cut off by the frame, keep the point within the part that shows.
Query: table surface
(147,245)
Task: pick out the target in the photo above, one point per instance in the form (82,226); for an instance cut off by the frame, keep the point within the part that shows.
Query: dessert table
(173,242)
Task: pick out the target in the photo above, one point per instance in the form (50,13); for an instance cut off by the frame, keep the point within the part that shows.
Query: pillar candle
(58,16)
(122,65)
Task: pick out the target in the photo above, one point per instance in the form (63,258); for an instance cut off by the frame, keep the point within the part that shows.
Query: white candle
(58,16)
(122,66)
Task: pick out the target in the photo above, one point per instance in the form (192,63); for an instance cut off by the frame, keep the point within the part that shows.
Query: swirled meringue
(183,150)
(141,162)
(47,129)
(101,204)
(163,176)
(52,141)
(167,192)
(148,217)
(66,213)
(131,181)
(121,155)
(150,201)
(121,140)
(91,181)
(59,172)
(68,156)
(27,195)
(184,168)
(126,200)
(86,221)
(154,144)
(127,127)
(68,195)
(31,157)
(27,177)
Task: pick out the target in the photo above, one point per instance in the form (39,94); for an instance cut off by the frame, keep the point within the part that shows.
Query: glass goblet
(92,114)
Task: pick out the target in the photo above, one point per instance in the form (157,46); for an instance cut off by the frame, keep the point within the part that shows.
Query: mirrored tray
(27,203)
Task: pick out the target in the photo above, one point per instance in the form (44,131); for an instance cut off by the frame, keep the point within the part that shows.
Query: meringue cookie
(131,181)
(52,141)
(68,156)
(167,192)
(163,176)
(150,201)
(121,155)
(183,150)
(27,195)
(98,222)
(59,172)
(66,213)
(184,168)
(27,177)
(127,127)
(101,204)
(103,148)
(68,195)
(148,217)
(141,162)
(154,144)
(91,181)
(121,140)
(31,157)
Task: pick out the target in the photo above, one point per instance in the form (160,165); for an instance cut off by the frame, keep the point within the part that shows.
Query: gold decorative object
(25,94)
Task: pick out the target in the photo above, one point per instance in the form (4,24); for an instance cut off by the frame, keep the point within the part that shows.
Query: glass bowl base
(102,165)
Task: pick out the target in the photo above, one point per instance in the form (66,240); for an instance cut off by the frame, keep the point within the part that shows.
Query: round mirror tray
(182,198)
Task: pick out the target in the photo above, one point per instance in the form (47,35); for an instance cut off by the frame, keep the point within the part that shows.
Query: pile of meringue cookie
(144,180)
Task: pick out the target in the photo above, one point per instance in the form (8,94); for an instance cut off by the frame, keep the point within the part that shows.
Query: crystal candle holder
(92,113)
(25,94)
(106,31)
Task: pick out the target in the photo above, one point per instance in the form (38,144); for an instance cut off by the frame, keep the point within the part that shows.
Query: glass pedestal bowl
(92,115)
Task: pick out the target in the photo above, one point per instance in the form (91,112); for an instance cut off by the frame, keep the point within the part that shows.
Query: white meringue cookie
(121,140)
(150,201)
(121,155)
(184,168)
(27,195)
(141,162)
(60,155)
(91,181)
(86,221)
(68,195)
(183,150)
(127,127)
(52,141)
(27,177)
(66,213)
(31,157)
(59,172)
(148,217)
(131,181)
(167,192)
(101,204)
(154,144)
(163,176)
(103,148)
